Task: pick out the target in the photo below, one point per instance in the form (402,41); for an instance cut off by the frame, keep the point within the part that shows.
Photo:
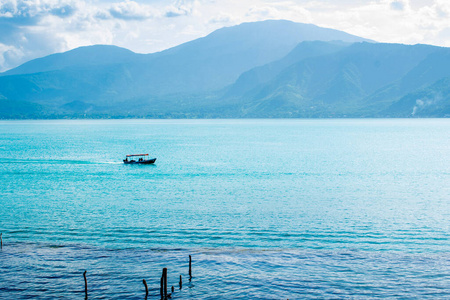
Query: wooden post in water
(85,285)
(190,269)
(173,289)
(181,283)
(165,282)
(146,288)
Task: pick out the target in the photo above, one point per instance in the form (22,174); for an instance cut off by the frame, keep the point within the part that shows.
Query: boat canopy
(129,155)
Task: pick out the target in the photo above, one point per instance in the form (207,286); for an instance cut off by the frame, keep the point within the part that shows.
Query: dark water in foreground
(268,209)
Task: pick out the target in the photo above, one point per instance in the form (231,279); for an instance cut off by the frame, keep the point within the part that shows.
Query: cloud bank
(34,28)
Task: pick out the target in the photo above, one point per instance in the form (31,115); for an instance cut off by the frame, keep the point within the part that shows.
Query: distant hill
(431,101)
(359,80)
(263,74)
(264,69)
(82,57)
(218,59)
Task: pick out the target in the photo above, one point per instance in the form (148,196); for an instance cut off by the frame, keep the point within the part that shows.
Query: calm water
(270,209)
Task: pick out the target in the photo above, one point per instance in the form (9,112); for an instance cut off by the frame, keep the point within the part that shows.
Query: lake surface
(270,209)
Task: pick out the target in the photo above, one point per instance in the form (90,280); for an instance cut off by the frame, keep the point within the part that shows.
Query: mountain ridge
(96,55)
(348,78)
(268,69)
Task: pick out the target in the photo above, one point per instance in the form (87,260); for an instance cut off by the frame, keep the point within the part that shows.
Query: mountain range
(269,69)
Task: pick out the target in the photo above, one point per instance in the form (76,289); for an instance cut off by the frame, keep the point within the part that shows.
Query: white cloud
(131,10)
(263,12)
(29,11)
(9,54)
(398,5)
(379,20)
(222,18)
(180,8)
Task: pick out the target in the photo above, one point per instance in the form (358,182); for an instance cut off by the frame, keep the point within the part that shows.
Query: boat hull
(142,162)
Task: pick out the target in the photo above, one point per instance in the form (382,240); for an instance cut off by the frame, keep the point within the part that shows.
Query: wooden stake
(165,282)
(146,288)
(85,285)
(173,289)
(190,269)
(181,283)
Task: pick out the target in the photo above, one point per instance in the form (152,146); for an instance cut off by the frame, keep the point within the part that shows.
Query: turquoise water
(270,209)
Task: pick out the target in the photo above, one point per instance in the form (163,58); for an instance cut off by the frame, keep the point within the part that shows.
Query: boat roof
(129,155)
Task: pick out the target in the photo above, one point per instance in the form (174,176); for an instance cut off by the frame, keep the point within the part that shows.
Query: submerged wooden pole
(146,288)
(181,283)
(190,269)
(85,285)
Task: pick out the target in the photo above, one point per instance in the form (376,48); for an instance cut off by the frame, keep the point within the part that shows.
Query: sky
(34,28)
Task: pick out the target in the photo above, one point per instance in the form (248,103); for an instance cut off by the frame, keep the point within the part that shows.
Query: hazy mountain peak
(82,56)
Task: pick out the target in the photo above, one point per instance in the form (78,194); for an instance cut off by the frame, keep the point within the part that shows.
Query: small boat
(139,159)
